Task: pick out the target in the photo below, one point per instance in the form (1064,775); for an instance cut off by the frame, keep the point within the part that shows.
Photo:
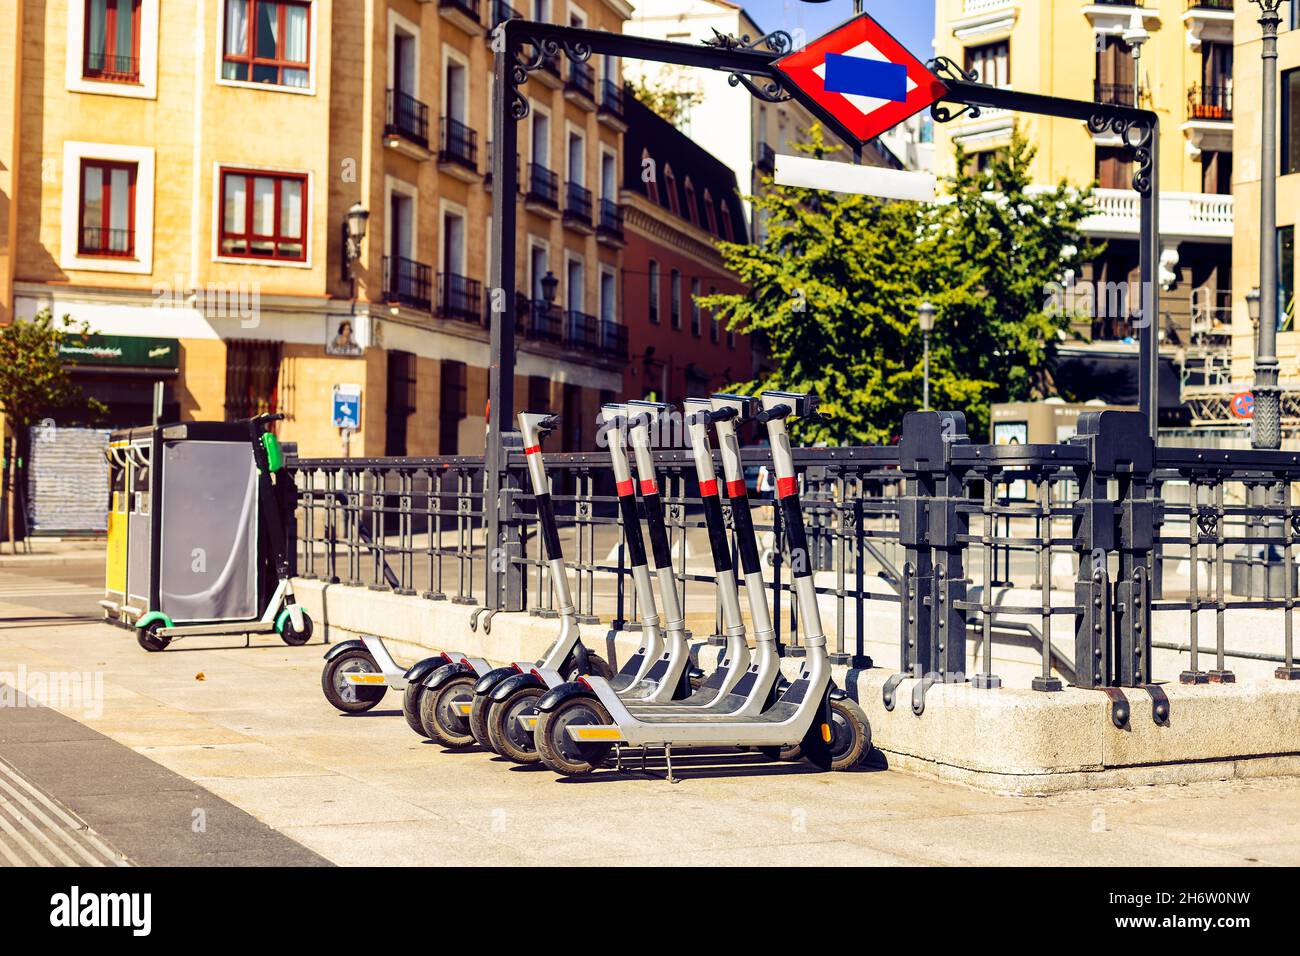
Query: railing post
(1121,448)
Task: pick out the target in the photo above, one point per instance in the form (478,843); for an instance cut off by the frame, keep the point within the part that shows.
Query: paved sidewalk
(251,728)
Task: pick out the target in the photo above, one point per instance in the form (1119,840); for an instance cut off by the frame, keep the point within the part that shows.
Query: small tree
(835,284)
(34,385)
(669,94)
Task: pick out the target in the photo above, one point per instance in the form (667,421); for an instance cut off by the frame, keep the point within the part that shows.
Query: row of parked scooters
(571,710)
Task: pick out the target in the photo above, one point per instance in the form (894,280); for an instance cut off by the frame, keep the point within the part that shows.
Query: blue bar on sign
(861,77)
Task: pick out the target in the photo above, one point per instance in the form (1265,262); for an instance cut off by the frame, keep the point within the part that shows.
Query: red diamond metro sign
(862,77)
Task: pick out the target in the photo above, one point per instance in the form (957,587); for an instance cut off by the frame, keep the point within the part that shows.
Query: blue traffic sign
(858,76)
(347,409)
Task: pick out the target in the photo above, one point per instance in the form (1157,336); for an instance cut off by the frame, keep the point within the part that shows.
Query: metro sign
(862,77)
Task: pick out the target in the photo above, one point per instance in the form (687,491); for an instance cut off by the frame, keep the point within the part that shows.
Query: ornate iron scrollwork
(778,42)
(1143,153)
(539,53)
(946,69)
(769,90)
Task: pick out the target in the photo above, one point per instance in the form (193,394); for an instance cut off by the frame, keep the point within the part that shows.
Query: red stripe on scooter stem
(625,488)
(737,489)
(785,487)
(708,489)
(648,486)
(533,450)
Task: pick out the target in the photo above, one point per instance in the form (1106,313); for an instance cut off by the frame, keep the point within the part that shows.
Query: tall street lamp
(1135,36)
(1266,425)
(925,319)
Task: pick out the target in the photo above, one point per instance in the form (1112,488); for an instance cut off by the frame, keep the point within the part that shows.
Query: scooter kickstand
(618,758)
(668,756)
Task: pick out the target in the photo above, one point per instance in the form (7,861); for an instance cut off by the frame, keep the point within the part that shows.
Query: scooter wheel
(438,714)
(596,665)
(507,737)
(149,638)
(344,695)
(851,735)
(478,721)
(561,753)
(293,637)
(411,706)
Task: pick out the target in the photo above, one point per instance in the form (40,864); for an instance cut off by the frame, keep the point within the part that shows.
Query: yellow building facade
(1175,57)
(189,177)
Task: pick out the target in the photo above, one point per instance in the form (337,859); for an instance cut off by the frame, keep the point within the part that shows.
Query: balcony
(985,18)
(1111,17)
(106,243)
(460,298)
(458,150)
(1201,216)
(1115,94)
(611,105)
(543,193)
(580,87)
(406,127)
(549,74)
(540,322)
(1209,119)
(500,12)
(111,68)
(577,208)
(765,158)
(613,339)
(609,224)
(407,283)
(1208,21)
(463,13)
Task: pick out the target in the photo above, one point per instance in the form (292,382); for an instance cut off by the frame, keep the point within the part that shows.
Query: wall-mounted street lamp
(925,313)
(354,231)
(1252,307)
(550,287)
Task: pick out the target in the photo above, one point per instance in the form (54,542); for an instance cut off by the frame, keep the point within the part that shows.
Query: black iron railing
(581,79)
(543,185)
(577,204)
(111,68)
(407,282)
(407,117)
(539,321)
(1209,4)
(458,144)
(1115,94)
(581,331)
(611,98)
(110,243)
(1209,102)
(1100,560)
(459,298)
(611,219)
(613,339)
(469,8)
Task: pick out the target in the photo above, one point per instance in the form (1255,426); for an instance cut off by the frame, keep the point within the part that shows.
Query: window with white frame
(107,223)
(112,47)
(267,42)
(263,215)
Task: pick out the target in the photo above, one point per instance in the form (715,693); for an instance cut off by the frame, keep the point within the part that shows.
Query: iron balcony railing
(458,144)
(577,203)
(1114,94)
(1209,4)
(613,339)
(582,79)
(1209,102)
(407,282)
(469,8)
(611,98)
(111,68)
(501,12)
(110,243)
(543,185)
(582,331)
(407,117)
(611,219)
(460,298)
(541,322)
(1120,3)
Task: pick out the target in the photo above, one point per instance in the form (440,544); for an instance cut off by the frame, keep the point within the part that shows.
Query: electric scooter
(446,712)
(504,702)
(283,615)
(583,721)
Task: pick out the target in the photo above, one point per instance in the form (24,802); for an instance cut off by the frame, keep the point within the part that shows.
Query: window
(654,293)
(112,45)
(106,226)
(1114,167)
(263,215)
(695,308)
(692,211)
(1115,72)
(401,401)
(608,297)
(1285,271)
(266,42)
(1216,172)
(727,231)
(990,62)
(675,303)
(452,405)
(1291,121)
(981,162)
(652,184)
(252,378)
(670,186)
(711,212)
